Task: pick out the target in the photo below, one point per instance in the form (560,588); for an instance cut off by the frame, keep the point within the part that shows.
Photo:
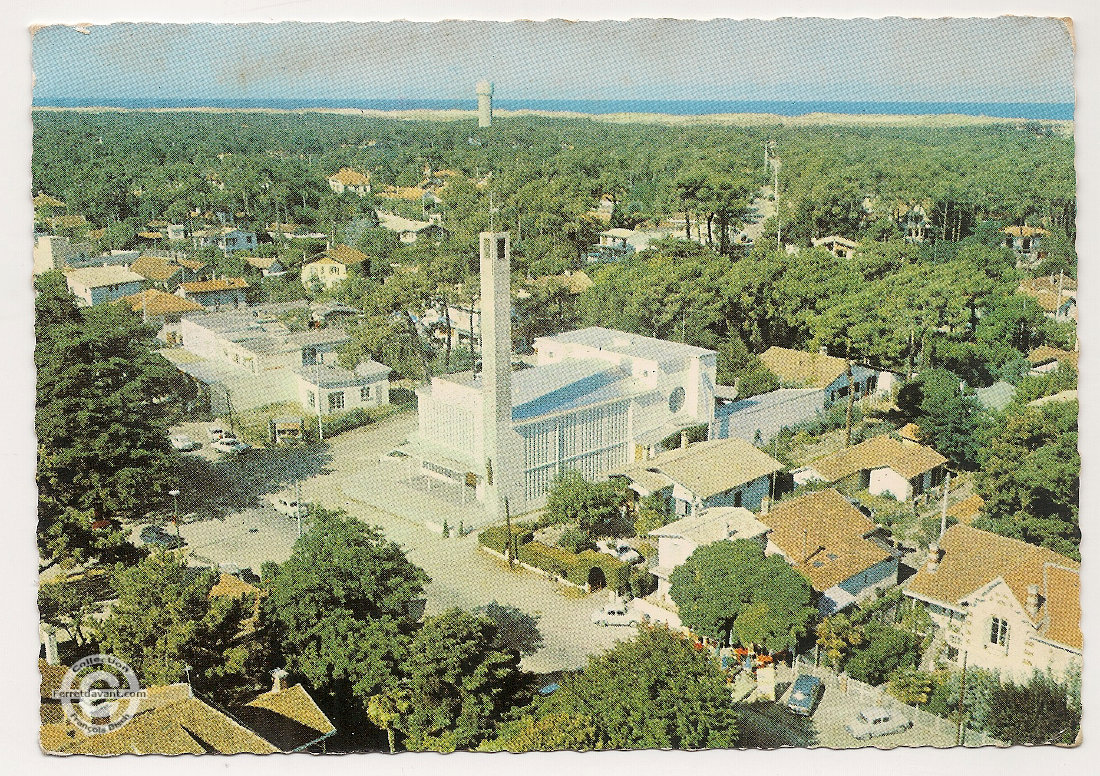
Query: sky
(1005,59)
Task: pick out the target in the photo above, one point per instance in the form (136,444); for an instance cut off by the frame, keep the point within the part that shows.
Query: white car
(876,721)
(230,445)
(288,505)
(620,550)
(616,613)
(184,443)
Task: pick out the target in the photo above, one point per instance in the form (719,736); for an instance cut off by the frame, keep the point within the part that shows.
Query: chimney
(933,558)
(823,350)
(684,440)
(51,646)
(279,681)
(1033,601)
(765,505)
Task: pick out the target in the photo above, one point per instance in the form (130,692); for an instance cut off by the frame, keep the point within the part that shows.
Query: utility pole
(778,217)
(851,401)
(298,504)
(959,733)
(943,508)
(508,524)
(175,511)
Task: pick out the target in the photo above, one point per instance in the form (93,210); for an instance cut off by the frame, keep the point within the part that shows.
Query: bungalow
(1046,359)
(1025,242)
(882,466)
(228,238)
(693,477)
(678,540)
(337,389)
(348,256)
(160,271)
(838,246)
(349,180)
(95,285)
(269,266)
(323,272)
(1000,603)
(802,369)
(216,292)
(408,230)
(845,556)
(162,310)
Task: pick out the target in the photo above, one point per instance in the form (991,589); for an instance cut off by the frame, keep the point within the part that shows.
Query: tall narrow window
(998,632)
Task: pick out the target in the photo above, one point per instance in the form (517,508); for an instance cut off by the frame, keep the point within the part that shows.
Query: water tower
(484,103)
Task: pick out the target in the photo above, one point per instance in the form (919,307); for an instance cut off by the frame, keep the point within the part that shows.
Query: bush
(496,537)
(641,582)
(573,540)
(884,651)
(575,567)
(403,397)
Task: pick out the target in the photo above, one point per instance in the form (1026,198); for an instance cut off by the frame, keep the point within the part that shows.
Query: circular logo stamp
(100,693)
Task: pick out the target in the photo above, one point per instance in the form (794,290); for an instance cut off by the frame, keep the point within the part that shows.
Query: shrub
(496,537)
(641,582)
(573,540)
(575,567)
(884,651)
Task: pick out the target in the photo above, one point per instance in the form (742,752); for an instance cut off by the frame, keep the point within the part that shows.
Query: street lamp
(175,510)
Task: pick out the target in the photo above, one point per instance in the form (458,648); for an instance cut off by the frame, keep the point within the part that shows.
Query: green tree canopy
(733,588)
(1040,711)
(593,507)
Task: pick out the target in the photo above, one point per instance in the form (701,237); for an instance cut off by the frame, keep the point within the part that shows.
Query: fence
(864,694)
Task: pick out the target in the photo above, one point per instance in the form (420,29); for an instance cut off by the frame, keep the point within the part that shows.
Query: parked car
(620,550)
(877,721)
(158,537)
(288,505)
(230,445)
(616,613)
(805,693)
(184,443)
(215,432)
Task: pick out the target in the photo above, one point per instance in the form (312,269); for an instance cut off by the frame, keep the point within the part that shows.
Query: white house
(226,238)
(845,556)
(337,389)
(94,285)
(840,247)
(694,477)
(881,465)
(678,540)
(595,399)
(349,180)
(803,369)
(1000,603)
(325,272)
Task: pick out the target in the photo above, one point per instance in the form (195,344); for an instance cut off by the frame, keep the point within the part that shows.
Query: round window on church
(676,400)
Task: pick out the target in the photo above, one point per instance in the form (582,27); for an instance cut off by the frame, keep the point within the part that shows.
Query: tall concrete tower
(504,465)
(484,103)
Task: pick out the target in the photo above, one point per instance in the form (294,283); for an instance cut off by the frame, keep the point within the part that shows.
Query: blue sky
(965,60)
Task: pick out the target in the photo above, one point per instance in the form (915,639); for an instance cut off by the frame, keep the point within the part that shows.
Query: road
(350,476)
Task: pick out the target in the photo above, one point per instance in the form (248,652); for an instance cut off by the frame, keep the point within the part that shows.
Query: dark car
(805,693)
(157,536)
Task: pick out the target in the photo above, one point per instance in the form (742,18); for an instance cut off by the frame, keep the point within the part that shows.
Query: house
(177,231)
(348,256)
(172,720)
(1046,359)
(227,238)
(1025,241)
(838,246)
(915,223)
(882,466)
(279,231)
(161,272)
(162,311)
(95,285)
(845,556)
(693,477)
(1000,603)
(216,292)
(618,243)
(1056,294)
(269,266)
(409,231)
(595,399)
(678,540)
(759,419)
(54,252)
(802,369)
(349,180)
(966,510)
(337,389)
(323,272)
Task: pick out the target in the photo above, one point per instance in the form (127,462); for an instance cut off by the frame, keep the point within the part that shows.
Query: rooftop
(96,277)
(967,509)
(156,268)
(332,376)
(626,344)
(824,537)
(1044,354)
(288,718)
(706,468)
(153,301)
(907,459)
(1024,231)
(350,177)
(345,254)
(715,524)
(218,284)
(970,559)
(397,223)
(810,370)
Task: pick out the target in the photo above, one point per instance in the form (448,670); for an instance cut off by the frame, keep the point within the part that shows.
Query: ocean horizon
(1009,110)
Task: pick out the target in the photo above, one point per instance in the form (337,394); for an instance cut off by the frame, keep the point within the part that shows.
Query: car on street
(877,721)
(230,445)
(288,505)
(805,693)
(616,613)
(184,443)
(156,536)
(620,550)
